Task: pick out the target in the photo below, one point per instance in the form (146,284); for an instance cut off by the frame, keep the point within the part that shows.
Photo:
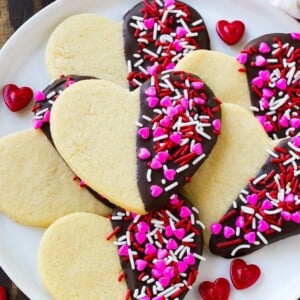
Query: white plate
(22,62)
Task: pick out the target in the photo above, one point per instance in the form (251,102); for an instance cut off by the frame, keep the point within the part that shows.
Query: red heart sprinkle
(3,295)
(217,290)
(243,275)
(16,98)
(232,32)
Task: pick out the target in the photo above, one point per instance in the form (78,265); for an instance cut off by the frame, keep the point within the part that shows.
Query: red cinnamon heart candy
(243,275)
(230,32)
(3,295)
(217,290)
(16,98)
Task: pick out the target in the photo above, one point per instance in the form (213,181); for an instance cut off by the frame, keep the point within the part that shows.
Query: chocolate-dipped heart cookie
(153,37)
(157,254)
(136,155)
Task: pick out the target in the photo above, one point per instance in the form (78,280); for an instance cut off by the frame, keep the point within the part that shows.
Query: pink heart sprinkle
(170,174)
(265,75)
(152,102)
(199,100)
(172,244)
(284,122)
(143,227)
(250,237)
(197,149)
(185,212)
(281,84)
(172,112)
(176,138)
(162,253)
(39,96)
(177,46)
(140,237)
(157,132)
(156,191)
(156,273)
(189,259)
(165,101)
(182,266)
(150,249)
(152,70)
(37,124)
(140,264)
(264,103)
(260,61)
(165,122)
(258,82)
(174,199)
(295,36)
(261,119)
(266,205)
(169,272)
(296,217)
(149,23)
(286,215)
(123,251)
(144,154)
(290,198)
(162,156)
(216,124)
(228,232)
(46,117)
(242,58)
(295,122)
(164,281)
(263,226)
(144,133)
(155,164)
(184,103)
(296,141)
(215,228)
(181,31)
(197,85)
(179,233)
(264,48)
(268,126)
(169,231)
(170,66)
(160,265)
(169,3)
(151,91)
(240,222)
(252,199)
(267,93)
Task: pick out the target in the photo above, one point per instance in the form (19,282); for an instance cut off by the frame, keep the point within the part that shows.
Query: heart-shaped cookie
(157,254)
(136,157)
(267,209)
(273,70)
(36,185)
(153,37)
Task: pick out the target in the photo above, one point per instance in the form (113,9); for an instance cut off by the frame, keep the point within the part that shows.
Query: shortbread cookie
(221,72)
(157,254)
(36,185)
(153,37)
(273,69)
(267,209)
(238,155)
(136,156)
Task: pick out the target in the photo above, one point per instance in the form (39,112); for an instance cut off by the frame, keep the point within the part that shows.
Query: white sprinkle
(177,57)
(138,83)
(195,210)
(150,52)
(273,212)
(179,249)
(115,218)
(243,246)
(200,131)
(51,101)
(169,84)
(200,257)
(276,228)
(170,215)
(143,70)
(253,224)
(243,199)
(150,280)
(200,224)
(137,18)
(159,138)
(258,216)
(272,60)
(198,22)
(165,15)
(260,178)
(128,238)
(183,168)
(189,237)
(171,186)
(272,153)
(146,277)
(262,238)
(234,204)
(198,159)
(142,40)
(41,112)
(134,25)
(237,231)
(247,210)
(158,244)
(254,108)
(159,3)
(131,259)
(146,118)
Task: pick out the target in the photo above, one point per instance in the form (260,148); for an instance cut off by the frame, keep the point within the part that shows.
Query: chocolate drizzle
(157,34)
(178,126)
(267,210)
(159,252)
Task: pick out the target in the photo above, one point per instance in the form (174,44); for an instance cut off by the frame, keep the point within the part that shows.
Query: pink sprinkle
(150,249)
(197,85)
(170,66)
(169,231)
(260,61)
(216,124)
(152,70)
(240,222)
(69,82)
(155,164)
(199,100)
(295,36)
(157,132)
(143,227)
(174,200)
(156,191)
(140,237)
(268,126)
(250,237)
(197,149)
(149,23)
(185,212)
(252,199)
(265,74)
(290,197)
(39,96)
(264,48)
(295,122)
(162,156)
(261,119)
(123,251)
(296,217)
(164,281)
(165,122)
(181,31)
(266,205)
(151,91)
(46,117)
(296,141)
(228,232)
(179,233)
(184,103)
(162,253)
(37,124)
(176,138)
(286,215)
(140,264)
(160,265)
(263,226)
(242,58)
(215,228)
(169,3)
(144,133)
(165,101)
(156,273)
(177,46)
(172,111)
(190,259)
(169,272)
(182,266)
(281,84)
(258,82)
(267,93)
(172,244)
(144,154)
(170,174)
(152,102)
(264,103)
(284,122)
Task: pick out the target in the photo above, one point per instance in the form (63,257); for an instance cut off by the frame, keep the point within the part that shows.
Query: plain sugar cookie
(36,185)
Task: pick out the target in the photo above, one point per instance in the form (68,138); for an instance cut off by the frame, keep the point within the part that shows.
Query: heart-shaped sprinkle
(143,227)
(296,217)
(140,237)
(266,205)
(197,149)
(264,48)
(228,232)
(179,233)
(155,164)
(182,266)
(141,264)
(250,237)
(295,123)
(216,228)
(296,141)
(169,272)
(230,32)
(152,102)
(165,122)
(217,290)
(149,23)
(123,250)
(144,133)
(252,199)
(150,249)
(156,191)
(166,101)
(16,98)
(189,259)
(37,124)
(176,137)
(185,212)
(240,222)
(162,253)
(263,226)
(164,281)
(162,156)
(144,154)
(172,244)
(170,174)
(242,58)
(243,275)
(39,96)
(281,84)
(260,61)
